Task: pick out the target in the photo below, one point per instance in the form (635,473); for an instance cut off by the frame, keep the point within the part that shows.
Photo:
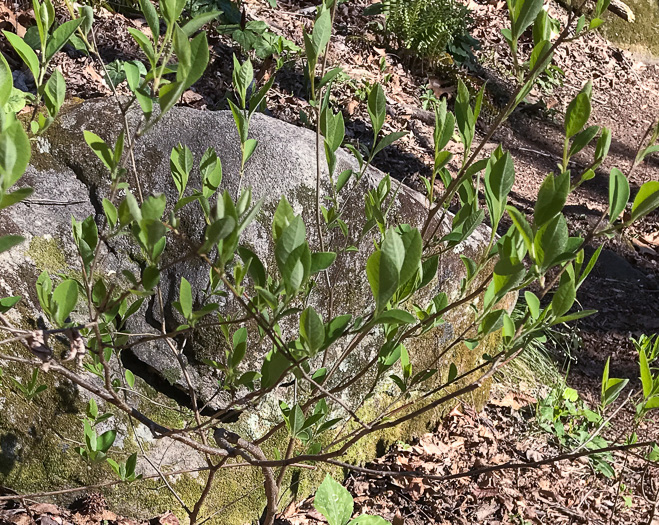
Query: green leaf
(646,374)
(105,440)
(239,347)
(200,20)
(321,261)
(613,388)
(508,273)
(334,502)
(102,150)
(110,212)
(522,225)
(574,316)
(603,144)
(218,230)
(551,198)
(491,322)
(578,112)
(180,166)
(387,140)
(322,30)
(284,214)
(428,270)
(154,206)
(199,60)
(564,296)
(394,317)
(54,93)
(250,146)
(533,303)
(312,329)
(452,373)
(646,200)
(150,277)
(618,194)
(144,43)
(151,16)
(172,9)
(25,52)
(583,139)
(9,199)
(7,303)
(274,365)
(499,180)
(329,76)
(65,298)
(169,95)
(85,235)
(211,172)
(256,269)
(550,242)
(293,256)
(15,152)
(526,13)
(185,298)
(130,378)
(382,274)
(6,82)
(61,36)
(377,108)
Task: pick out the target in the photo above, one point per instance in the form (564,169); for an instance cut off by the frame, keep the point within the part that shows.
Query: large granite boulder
(35,440)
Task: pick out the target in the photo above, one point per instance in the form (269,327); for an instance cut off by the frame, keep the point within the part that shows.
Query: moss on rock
(47,254)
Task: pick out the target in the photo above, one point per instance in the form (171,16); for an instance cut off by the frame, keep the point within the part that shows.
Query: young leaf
(198,60)
(102,150)
(6,82)
(6,303)
(61,36)
(618,194)
(377,108)
(551,198)
(65,297)
(54,93)
(382,275)
(646,374)
(578,112)
(284,214)
(564,297)
(322,30)
(646,200)
(151,16)
(25,52)
(185,298)
(312,329)
(334,502)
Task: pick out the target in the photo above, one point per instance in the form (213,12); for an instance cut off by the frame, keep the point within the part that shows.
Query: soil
(624,286)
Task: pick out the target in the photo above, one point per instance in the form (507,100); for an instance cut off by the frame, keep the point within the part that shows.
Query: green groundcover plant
(275,302)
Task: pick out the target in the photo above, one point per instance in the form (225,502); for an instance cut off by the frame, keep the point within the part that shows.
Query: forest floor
(624,287)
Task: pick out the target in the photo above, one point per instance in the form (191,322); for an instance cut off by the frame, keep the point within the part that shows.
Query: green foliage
(281,329)
(31,388)
(574,425)
(426,27)
(335,503)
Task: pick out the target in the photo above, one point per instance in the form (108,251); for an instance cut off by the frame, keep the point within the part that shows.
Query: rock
(64,169)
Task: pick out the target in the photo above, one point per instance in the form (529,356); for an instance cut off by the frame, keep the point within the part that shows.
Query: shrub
(426,27)
(286,308)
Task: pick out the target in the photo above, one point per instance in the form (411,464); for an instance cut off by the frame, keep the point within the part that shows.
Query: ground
(624,287)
